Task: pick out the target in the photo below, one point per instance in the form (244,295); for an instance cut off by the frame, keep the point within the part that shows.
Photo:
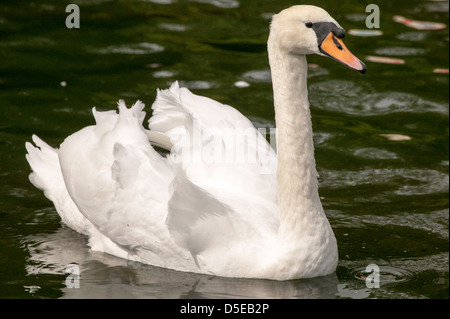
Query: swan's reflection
(105,276)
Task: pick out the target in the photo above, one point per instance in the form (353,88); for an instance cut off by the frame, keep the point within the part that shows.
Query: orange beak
(336,49)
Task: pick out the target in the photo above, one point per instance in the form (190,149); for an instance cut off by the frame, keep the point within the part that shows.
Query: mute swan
(180,211)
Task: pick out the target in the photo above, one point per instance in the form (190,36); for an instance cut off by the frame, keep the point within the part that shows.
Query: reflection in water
(105,276)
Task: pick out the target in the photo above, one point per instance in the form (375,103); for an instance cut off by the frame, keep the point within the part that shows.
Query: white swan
(183,212)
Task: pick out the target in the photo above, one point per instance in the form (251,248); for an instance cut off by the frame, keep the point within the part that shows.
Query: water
(381,139)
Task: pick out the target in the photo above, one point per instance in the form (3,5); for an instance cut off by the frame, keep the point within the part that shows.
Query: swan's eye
(309,24)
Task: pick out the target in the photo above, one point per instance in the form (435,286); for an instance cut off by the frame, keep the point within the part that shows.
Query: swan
(210,205)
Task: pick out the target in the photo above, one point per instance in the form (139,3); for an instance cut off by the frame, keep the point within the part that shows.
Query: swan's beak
(336,49)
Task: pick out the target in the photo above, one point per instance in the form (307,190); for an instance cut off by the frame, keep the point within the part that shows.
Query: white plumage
(213,205)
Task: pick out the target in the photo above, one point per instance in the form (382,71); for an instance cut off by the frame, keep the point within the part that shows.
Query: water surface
(381,139)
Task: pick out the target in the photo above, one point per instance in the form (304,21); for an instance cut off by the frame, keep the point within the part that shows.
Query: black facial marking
(309,24)
(337,44)
(340,33)
(322,29)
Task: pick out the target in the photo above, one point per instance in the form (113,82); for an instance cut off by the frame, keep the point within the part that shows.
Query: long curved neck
(298,196)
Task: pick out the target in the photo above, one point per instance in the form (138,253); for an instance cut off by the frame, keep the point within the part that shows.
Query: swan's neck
(298,197)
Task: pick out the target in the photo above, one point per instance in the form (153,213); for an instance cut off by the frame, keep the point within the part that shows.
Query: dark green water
(387,200)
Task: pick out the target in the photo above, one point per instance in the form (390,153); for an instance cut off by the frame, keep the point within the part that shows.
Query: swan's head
(306,29)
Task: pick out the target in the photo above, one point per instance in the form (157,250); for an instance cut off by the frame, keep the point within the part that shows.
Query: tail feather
(44,162)
(47,176)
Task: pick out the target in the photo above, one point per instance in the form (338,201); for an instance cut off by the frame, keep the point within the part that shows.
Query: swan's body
(185,212)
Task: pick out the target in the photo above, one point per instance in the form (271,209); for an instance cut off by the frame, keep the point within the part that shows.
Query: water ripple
(173,27)
(374,153)
(400,51)
(387,275)
(413,36)
(135,48)
(226,4)
(352,98)
(408,181)
(198,85)
(258,76)
(434,221)
(161,1)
